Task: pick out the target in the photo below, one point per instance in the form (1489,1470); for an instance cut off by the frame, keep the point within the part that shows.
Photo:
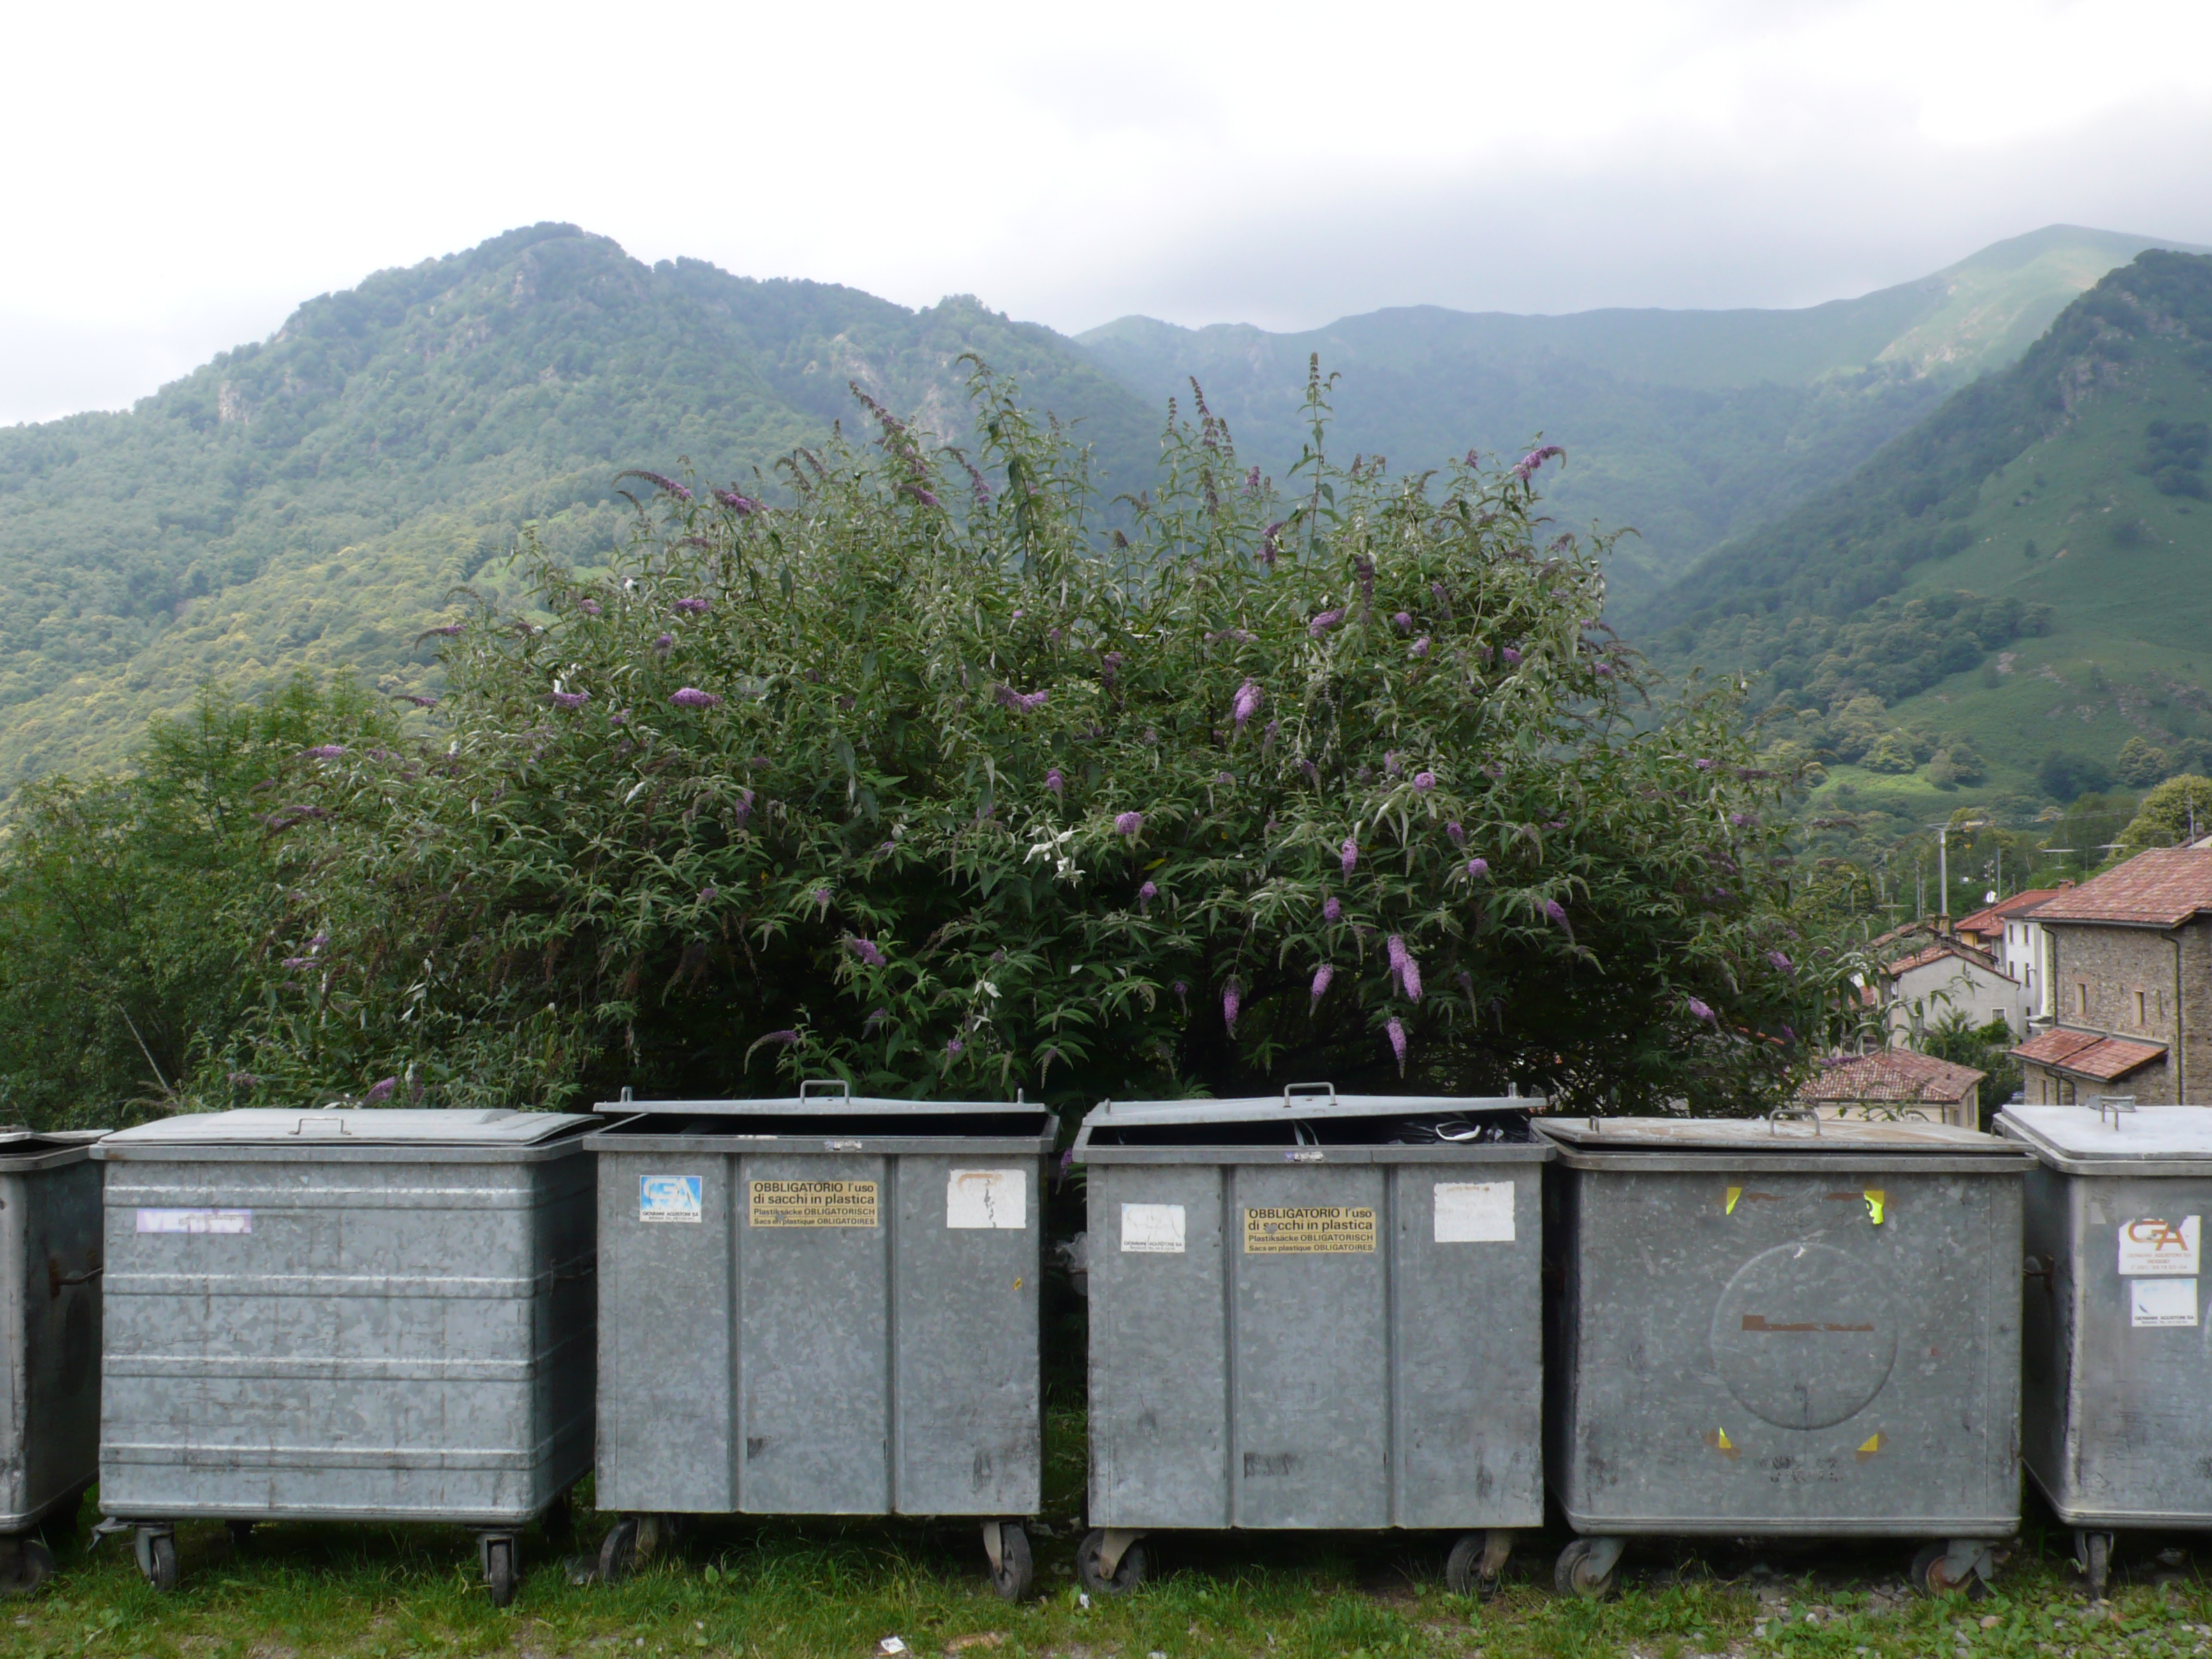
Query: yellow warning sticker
(1326,1230)
(813,1204)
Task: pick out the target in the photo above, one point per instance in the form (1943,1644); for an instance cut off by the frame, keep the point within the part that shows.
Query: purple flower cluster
(1419,647)
(694,606)
(868,952)
(1055,782)
(1022,703)
(1348,855)
(1109,665)
(1699,1011)
(1131,824)
(1406,969)
(691,697)
(1457,831)
(1232,1003)
(589,607)
(1320,624)
(1146,894)
(1477,869)
(1332,909)
(571,698)
(380,1091)
(1526,467)
(1324,976)
(1395,1029)
(740,505)
(1247,703)
(325,751)
(662,644)
(1270,544)
(660,481)
(1425,782)
(446,630)
(1403,621)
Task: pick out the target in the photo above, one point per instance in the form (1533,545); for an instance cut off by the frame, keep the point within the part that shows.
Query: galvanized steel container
(347,1315)
(2117,1427)
(50,1270)
(1783,1327)
(1313,1310)
(822,1305)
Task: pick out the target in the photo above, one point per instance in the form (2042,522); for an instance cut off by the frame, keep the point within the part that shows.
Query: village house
(1946,976)
(2009,932)
(2130,978)
(1897,1084)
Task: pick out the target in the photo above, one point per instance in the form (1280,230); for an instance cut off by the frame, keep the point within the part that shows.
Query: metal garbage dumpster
(1783,1327)
(50,1302)
(2116,1428)
(347,1315)
(1313,1310)
(819,1306)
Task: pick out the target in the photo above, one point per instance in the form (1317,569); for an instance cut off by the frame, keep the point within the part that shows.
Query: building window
(2142,1017)
(2065,1092)
(2081,998)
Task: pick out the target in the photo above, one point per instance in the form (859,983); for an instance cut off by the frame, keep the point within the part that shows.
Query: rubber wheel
(1128,1572)
(499,1576)
(1010,1579)
(619,1554)
(2097,1561)
(161,1571)
(24,1564)
(1572,1575)
(240,1532)
(1462,1567)
(1928,1577)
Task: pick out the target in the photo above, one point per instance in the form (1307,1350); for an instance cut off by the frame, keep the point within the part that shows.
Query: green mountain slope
(2027,573)
(309,501)
(1693,427)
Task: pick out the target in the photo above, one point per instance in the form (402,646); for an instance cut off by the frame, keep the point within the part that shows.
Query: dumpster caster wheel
(2093,1550)
(1476,1561)
(1011,1570)
(1090,1564)
(1587,1568)
(500,1575)
(24,1564)
(619,1554)
(157,1558)
(1938,1570)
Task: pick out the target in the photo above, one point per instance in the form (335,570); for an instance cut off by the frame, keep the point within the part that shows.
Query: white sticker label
(2162,1301)
(987,1198)
(1474,1212)
(1153,1229)
(669,1197)
(2151,1247)
(195,1221)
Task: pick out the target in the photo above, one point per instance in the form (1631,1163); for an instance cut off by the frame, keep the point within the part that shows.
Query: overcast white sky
(183,175)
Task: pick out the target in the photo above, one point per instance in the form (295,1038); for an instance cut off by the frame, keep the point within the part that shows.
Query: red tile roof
(2163,888)
(2088,1055)
(1891,1076)
(1993,918)
(1939,949)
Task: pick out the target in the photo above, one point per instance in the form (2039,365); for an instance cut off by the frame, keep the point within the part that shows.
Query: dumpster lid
(1796,1135)
(21,1147)
(1300,1100)
(371,1125)
(2068,1135)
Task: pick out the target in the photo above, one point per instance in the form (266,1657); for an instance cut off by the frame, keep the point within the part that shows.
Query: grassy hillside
(309,501)
(1693,427)
(2068,493)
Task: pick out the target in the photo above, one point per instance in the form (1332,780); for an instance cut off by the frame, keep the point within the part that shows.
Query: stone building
(2130,981)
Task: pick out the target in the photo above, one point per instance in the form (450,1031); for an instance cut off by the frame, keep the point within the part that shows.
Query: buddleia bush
(922,778)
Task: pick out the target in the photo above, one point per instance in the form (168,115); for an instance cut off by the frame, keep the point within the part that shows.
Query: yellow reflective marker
(1875,1442)
(1719,1442)
(1734,1193)
(1875,1196)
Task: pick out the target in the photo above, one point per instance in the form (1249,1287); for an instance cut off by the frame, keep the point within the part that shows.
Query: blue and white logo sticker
(669,1198)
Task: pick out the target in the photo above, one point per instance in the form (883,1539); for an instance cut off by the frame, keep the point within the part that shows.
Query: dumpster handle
(839,1083)
(1792,1114)
(58,1281)
(1309,1088)
(2042,1268)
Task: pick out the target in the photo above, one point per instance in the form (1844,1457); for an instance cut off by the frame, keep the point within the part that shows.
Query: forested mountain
(311,500)
(1690,426)
(2014,594)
